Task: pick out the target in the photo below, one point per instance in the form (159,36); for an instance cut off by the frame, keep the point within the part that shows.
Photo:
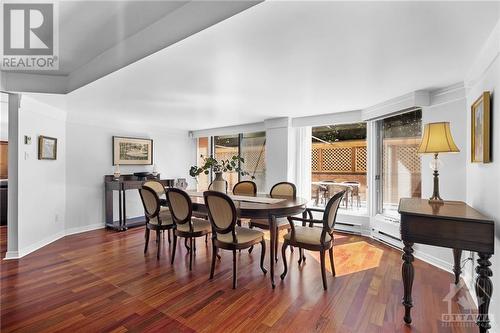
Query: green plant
(218,166)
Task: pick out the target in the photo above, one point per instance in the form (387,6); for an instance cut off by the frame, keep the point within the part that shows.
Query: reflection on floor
(101,281)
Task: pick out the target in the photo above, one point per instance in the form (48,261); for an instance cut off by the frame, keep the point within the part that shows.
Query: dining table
(261,206)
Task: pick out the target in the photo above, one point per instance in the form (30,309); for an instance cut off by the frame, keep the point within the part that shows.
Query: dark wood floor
(100,281)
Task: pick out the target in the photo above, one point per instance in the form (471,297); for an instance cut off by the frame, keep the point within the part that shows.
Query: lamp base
(436,198)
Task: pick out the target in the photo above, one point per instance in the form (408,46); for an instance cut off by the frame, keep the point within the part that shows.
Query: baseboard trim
(430,259)
(77,230)
(44,242)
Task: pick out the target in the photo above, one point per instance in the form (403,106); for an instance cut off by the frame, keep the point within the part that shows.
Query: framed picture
(132,151)
(47,148)
(480,134)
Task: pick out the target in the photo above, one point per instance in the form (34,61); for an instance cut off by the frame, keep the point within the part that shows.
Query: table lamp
(437,139)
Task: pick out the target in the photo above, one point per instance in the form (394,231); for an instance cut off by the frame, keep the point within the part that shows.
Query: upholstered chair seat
(198,225)
(165,217)
(308,235)
(243,235)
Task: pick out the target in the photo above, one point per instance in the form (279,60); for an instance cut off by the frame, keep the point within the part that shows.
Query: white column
(279,151)
(12,206)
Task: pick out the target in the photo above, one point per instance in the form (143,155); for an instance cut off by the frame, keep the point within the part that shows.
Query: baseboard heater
(387,239)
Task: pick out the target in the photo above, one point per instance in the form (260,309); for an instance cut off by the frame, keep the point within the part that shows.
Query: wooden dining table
(262,206)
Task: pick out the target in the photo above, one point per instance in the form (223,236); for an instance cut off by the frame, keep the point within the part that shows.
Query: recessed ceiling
(295,59)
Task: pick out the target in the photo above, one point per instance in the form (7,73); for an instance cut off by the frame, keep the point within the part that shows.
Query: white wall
(89,158)
(483,180)
(41,184)
(446,105)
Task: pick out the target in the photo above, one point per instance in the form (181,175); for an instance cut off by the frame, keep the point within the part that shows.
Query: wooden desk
(455,225)
(124,183)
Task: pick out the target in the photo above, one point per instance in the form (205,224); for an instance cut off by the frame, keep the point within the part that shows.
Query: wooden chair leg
(168,234)
(158,241)
(214,255)
(147,240)
(206,238)
(283,254)
(301,255)
(234,269)
(262,256)
(332,264)
(173,250)
(323,268)
(186,244)
(191,253)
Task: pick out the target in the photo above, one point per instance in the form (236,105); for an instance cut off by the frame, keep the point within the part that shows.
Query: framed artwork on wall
(47,148)
(132,151)
(480,129)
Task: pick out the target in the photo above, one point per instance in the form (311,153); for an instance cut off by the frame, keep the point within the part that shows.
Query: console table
(451,224)
(124,183)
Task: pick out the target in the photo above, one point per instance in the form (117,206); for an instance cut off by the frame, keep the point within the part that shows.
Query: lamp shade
(437,139)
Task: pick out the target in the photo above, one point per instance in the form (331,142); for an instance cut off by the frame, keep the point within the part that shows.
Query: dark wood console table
(455,225)
(124,183)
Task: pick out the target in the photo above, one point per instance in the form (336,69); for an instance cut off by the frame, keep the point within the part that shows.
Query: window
(400,164)
(203,149)
(249,146)
(226,147)
(253,152)
(339,162)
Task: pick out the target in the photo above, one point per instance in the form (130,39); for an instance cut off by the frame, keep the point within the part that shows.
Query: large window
(250,146)
(339,162)
(400,164)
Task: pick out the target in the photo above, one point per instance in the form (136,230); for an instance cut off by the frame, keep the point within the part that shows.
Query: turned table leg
(457,269)
(272,234)
(484,288)
(408,274)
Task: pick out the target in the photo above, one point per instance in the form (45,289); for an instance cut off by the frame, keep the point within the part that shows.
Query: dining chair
(186,226)
(354,191)
(160,190)
(313,238)
(282,189)
(245,187)
(226,234)
(157,217)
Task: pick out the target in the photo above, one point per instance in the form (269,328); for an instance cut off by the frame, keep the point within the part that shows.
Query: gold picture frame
(47,148)
(480,129)
(132,151)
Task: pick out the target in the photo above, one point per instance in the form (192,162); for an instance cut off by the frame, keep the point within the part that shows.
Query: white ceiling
(98,37)
(294,59)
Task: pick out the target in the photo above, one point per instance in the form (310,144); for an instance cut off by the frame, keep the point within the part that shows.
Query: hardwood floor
(100,281)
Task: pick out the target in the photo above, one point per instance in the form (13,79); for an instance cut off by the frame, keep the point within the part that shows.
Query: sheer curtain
(303,140)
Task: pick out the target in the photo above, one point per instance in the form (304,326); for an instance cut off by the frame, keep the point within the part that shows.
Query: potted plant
(233,164)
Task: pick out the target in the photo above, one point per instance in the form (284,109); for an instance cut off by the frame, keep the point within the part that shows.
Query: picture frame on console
(480,129)
(132,151)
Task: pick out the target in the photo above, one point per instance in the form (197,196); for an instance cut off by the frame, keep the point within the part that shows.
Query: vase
(219,184)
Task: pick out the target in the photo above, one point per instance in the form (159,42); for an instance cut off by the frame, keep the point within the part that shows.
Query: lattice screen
(409,157)
(360,162)
(337,159)
(315,159)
